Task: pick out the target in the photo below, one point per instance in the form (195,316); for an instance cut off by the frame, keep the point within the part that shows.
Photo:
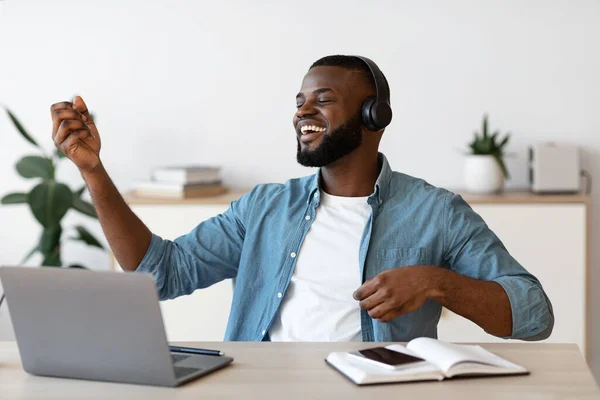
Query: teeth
(312,128)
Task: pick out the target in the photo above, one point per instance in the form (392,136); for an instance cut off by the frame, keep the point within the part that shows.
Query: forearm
(483,302)
(127,235)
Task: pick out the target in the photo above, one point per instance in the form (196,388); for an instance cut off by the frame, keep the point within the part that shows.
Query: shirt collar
(381,189)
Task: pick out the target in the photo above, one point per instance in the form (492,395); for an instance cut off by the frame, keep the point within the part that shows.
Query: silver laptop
(104,326)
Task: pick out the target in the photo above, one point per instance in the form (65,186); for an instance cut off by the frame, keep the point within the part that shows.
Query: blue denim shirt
(412,223)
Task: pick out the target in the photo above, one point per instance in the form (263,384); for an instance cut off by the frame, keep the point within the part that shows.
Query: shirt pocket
(403,257)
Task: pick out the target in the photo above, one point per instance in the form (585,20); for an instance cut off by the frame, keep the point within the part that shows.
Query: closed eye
(320,101)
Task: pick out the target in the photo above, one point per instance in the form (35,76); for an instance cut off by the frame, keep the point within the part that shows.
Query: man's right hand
(75,134)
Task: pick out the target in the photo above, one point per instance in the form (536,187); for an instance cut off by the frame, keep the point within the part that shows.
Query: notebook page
(446,355)
(479,354)
(443,355)
(492,365)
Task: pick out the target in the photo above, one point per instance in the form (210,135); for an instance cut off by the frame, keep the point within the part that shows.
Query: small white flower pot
(483,175)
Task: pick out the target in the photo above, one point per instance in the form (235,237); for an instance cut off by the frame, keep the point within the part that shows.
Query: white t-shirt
(318,304)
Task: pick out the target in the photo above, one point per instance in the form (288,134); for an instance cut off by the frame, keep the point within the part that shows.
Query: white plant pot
(483,175)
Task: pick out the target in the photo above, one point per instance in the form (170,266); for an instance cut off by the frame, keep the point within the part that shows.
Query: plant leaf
(59,154)
(485,126)
(87,237)
(52,260)
(500,161)
(80,191)
(49,202)
(50,246)
(50,239)
(35,167)
(494,136)
(486,145)
(14,198)
(31,253)
(84,207)
(20,127)
(77,266)
(504,141)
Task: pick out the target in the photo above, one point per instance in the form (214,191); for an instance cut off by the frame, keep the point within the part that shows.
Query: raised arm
(75,134)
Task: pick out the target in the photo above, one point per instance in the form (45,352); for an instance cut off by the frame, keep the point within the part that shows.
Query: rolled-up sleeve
(473,250)
(208,254)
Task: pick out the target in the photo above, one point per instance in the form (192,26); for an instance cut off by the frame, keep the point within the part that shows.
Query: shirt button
(279,295)
(293,255)
(307,218)
(263,332)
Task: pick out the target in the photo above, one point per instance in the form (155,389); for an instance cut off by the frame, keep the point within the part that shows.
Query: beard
(334,145)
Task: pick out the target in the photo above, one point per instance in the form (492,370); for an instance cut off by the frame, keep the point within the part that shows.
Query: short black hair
(351,63)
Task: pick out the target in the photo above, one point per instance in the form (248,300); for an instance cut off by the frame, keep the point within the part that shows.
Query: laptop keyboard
(178,357)
(184,371)
(180,372)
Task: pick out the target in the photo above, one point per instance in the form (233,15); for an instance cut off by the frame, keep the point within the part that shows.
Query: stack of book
(181,182)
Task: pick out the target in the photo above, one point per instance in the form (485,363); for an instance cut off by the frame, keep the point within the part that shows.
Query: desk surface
(287,371)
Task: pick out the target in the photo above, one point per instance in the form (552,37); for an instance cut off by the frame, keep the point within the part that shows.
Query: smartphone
(384,357)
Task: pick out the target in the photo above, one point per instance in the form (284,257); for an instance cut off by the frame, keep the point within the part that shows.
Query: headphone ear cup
(381,114)
(367,118)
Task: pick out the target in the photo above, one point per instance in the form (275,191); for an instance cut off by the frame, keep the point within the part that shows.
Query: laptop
(102,326)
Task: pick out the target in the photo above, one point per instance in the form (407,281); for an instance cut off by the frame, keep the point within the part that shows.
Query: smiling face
(328,120)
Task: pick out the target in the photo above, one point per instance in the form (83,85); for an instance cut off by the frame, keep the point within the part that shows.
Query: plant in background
(491,145)
(49,201)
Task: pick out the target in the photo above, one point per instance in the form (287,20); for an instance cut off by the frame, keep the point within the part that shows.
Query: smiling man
(355,252)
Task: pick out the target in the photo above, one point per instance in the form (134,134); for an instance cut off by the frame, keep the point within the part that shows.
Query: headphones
(376,110)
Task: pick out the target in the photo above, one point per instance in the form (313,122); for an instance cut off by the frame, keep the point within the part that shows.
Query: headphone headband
(381,89)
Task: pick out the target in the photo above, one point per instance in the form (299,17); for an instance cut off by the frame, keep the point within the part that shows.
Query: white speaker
(554,168)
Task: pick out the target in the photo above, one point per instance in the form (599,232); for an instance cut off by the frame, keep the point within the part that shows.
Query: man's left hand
(397,291)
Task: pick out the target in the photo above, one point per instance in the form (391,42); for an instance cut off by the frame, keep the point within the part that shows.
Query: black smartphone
(385,357)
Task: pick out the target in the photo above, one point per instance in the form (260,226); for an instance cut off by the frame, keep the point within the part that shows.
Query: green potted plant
(49,201)
(485,170)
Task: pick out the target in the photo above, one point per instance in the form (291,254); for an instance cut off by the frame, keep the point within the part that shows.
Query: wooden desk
(287,371)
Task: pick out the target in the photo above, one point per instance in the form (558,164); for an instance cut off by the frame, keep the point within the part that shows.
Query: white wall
(214,82)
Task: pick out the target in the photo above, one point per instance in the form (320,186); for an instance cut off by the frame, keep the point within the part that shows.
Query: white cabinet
(547,234)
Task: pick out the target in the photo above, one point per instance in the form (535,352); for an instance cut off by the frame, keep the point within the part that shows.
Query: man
(354,252)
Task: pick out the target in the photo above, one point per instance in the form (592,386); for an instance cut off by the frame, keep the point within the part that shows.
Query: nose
(305,110)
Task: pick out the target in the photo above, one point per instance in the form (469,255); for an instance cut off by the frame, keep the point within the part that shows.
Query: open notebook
(442,360)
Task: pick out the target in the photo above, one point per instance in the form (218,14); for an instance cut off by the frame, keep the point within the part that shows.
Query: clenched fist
(75,134)
(398,291)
